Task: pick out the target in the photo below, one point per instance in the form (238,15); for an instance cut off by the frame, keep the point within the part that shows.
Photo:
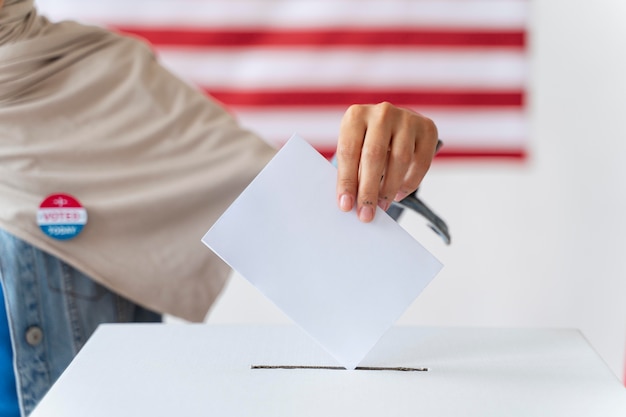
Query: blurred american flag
(285,66)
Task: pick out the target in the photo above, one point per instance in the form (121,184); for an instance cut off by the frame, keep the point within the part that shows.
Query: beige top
(90,113)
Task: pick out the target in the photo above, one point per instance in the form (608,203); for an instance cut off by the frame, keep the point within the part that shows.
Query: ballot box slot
(341,368)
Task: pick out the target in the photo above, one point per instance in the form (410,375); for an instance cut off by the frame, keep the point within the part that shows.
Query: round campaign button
(61,216)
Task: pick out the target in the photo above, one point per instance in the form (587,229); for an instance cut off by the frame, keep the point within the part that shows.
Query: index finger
(351,137)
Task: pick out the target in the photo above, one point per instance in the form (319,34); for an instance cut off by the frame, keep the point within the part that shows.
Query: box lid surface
(178,369)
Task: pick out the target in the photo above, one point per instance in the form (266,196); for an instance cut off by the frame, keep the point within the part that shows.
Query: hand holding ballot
(325,274)
(383,153)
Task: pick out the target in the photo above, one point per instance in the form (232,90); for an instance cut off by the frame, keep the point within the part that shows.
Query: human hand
(383,153)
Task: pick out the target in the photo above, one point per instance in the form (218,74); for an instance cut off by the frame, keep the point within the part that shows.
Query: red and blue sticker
(61,216)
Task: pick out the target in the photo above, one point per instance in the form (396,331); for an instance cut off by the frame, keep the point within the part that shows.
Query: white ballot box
(165,370)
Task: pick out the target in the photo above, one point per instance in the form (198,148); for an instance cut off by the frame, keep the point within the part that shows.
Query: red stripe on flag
(491,153)
(458,153)
(346,98)
(201,37)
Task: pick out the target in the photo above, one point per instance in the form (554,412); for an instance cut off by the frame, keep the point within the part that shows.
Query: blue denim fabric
(52,310)
(8,395)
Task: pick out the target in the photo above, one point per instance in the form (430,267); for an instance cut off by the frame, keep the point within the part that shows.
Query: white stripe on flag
(462,128)
(345,67)
(295,13)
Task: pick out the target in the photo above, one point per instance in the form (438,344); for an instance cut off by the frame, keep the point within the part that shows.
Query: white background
(540,243)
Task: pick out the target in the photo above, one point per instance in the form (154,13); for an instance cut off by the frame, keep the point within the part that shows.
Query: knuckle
(368,199)
(419,124)
(385,107)
(429,129)
(348,151)
(388,190)
(426,164)
(355,112)
(347,184)
(383,111)
(402,157)
(414,180)
(423,164)
(375,150)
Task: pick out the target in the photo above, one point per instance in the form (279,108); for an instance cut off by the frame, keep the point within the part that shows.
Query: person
(134,165)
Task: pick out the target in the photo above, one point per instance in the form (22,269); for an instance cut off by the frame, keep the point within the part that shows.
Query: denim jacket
(52,310)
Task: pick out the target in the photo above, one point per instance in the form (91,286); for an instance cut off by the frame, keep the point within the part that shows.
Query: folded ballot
(342,281)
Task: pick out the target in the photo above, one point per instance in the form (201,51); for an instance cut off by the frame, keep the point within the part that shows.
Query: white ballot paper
(342,281)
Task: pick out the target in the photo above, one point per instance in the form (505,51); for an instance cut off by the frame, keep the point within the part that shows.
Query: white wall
(540,243)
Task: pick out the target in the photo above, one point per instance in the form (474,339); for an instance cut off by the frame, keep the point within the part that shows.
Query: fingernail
(400,195)
(366,214)
(383,203)
(346,202)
